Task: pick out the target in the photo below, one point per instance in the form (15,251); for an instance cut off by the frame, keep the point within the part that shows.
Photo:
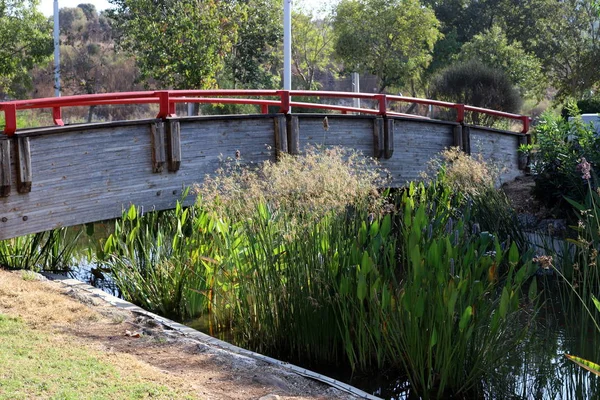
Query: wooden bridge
(68,175)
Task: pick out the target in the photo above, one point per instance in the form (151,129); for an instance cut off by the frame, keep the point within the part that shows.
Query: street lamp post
(56,51)
(287,44)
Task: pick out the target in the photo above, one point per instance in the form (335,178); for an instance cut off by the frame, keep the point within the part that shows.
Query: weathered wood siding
(415,144)
(88,173)
(93,174)
(354,132)
(498,148)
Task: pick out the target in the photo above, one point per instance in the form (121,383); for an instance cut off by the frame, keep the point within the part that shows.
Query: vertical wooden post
(23,165)
(157,136)
(458,136)
(466,139)
(378,137)
(5,178)
(388,137)
(173,145)
(523,157)
(293,134)
(281,135)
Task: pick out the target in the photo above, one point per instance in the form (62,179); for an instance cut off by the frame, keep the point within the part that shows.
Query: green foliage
(25,41)
(46,251)
(312,47)
(186,44)
(391,39)
(492,48)
(254,58)
(178,43)
(157,262)
(585,106)
(475,84)
(559,149)
(456,312)
(305,259)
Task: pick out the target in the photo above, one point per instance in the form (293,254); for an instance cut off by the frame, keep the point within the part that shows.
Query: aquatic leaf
(590,366)
(532,294)
(374,230)
(504,302)
(433,340)
(386,226)
(578,206)
(513,254)
(366,265)
(361,289)
(419,306)
(466,318)
(452,301)
(596,302)
(132,213)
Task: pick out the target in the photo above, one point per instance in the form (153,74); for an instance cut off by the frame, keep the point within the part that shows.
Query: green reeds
(158,262)
(305,264)
(45,251)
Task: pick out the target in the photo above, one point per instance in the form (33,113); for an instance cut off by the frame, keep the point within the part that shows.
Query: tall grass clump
(458,307)
(308,259)
(303,232)
(45,251)
(158,262)
(477,183)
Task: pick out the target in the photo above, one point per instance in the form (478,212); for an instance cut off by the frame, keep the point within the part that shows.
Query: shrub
(585,106)
(475,84)
(560,146)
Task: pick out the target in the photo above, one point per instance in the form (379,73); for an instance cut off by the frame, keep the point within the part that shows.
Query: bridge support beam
(458,136)
(293,134)
(5,170)
(23,165)
(388,137)
(173,145)
(466,139)
(281,134)
(378,137)
(157,136)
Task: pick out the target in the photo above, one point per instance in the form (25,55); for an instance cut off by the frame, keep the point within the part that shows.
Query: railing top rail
(166,99)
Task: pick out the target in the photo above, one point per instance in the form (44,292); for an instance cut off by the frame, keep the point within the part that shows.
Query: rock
(270,397)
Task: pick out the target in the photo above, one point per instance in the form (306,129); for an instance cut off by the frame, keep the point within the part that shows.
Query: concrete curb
(192,333)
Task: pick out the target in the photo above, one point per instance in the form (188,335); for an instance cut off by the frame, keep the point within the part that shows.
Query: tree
(254,56)
(476,84)
(491,47)
(179,43)
(25,41)
(392,39)
(312,47)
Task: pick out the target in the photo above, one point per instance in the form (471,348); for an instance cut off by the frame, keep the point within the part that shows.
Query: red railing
(166,99)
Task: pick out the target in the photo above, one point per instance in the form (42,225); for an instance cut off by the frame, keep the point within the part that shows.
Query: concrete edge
(194,334)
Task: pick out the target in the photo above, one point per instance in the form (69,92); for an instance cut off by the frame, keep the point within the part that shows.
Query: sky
(47,6)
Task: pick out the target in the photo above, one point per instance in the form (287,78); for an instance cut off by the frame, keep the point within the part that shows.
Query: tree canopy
(392,39)
(25,41)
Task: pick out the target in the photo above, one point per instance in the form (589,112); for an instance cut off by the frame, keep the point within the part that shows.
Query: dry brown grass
(470,175)
(61,329)
(314,183)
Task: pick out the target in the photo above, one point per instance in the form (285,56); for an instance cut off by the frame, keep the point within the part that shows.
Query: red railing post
(57,116)
(381,98)
(285,101)
(460,113)
(264,108)
(164,104)
(525,120)
(10,118)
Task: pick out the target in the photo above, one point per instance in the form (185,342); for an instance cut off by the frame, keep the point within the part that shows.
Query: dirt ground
(165,356)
